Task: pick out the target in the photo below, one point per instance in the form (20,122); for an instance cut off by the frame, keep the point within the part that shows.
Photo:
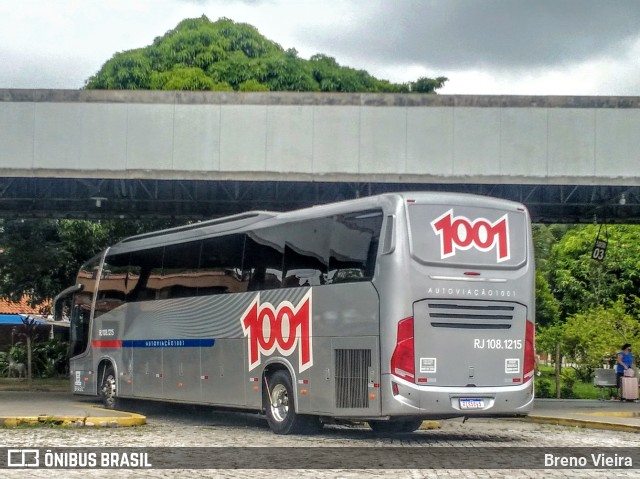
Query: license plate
(473,403)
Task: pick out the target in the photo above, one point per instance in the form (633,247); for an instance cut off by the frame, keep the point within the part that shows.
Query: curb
(584,423)
(131,419)
(430,425)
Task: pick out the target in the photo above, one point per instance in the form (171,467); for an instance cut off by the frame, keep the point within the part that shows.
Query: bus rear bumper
(441,402)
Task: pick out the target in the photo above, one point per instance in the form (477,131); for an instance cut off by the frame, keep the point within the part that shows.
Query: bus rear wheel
(280,407)
(108,388)
(395,426)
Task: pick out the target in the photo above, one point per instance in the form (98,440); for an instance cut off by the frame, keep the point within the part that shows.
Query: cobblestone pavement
(198,427)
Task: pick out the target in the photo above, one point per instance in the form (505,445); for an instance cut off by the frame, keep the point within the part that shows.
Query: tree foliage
(39,258)
(547,306)
(33,260)
(580,283)
(587,307)
(593,337)
(226,56)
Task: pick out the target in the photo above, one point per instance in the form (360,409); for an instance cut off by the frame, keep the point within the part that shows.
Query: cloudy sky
(506,47)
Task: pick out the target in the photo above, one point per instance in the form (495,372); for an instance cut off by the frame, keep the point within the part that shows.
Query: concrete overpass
(77,153)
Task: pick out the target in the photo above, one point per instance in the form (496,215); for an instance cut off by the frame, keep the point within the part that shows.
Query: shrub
(567,380)
(543,388)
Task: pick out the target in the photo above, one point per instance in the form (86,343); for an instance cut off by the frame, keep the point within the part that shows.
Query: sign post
(600,246)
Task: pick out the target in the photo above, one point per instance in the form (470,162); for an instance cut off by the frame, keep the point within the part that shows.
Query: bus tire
(395,426)
(280,408)
(108,388)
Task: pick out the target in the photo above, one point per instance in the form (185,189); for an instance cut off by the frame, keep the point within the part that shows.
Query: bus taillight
(529,352)
(403,358)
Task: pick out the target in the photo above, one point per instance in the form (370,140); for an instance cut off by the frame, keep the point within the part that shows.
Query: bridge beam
(202,199)
(202,154)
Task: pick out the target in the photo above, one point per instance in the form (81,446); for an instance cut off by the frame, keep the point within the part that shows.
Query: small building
(11,318)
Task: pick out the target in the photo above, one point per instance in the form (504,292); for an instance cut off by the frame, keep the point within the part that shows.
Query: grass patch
(588,391)
(37,384)
(571,388)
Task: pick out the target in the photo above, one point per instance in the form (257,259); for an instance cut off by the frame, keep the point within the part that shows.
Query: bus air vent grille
(352,378)
(470,315)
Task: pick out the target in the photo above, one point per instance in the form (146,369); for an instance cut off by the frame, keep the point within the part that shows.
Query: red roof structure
(21,307)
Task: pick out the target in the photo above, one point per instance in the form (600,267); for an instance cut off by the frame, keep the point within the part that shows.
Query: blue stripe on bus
(168,343)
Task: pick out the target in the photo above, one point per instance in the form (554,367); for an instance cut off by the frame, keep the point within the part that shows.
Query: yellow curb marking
(132,419)
(430,425)
(631,414)
(582,423)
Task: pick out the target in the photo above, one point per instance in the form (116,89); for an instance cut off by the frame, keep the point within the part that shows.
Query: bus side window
(146,266)
(354,246)
(263,258)
(221,266)
(133,277)
(113,284)
(306,254)
(180,270)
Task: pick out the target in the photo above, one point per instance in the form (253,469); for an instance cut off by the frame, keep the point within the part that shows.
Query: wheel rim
(109,389)
(279,402)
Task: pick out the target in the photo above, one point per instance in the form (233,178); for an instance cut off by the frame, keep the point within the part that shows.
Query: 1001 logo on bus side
(283,328)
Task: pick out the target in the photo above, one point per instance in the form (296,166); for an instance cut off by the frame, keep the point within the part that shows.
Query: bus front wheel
(108,388)
(280,407)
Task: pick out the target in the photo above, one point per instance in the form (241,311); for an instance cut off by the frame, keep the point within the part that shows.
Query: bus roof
(259,219)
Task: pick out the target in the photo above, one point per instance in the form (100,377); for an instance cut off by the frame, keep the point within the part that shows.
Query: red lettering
(283,328)
(461,233)
(267,340)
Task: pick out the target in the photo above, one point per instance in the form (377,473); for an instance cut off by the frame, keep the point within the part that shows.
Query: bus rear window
(467,235)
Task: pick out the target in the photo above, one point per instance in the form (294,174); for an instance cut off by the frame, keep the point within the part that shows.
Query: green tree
(547,306)
(203,55)
(252,85)
(186,78)
(28,330)
(33,260)
(544,237)
(50,358)
(580,283)
(548,337)
(593,337)
(39,258)
(129,70)
(332,77)
(428,85)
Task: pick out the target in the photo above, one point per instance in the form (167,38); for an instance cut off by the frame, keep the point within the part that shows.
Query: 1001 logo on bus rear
(459,232)
(283,328)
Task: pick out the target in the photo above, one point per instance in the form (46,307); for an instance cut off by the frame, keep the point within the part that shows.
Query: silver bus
(388,309)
